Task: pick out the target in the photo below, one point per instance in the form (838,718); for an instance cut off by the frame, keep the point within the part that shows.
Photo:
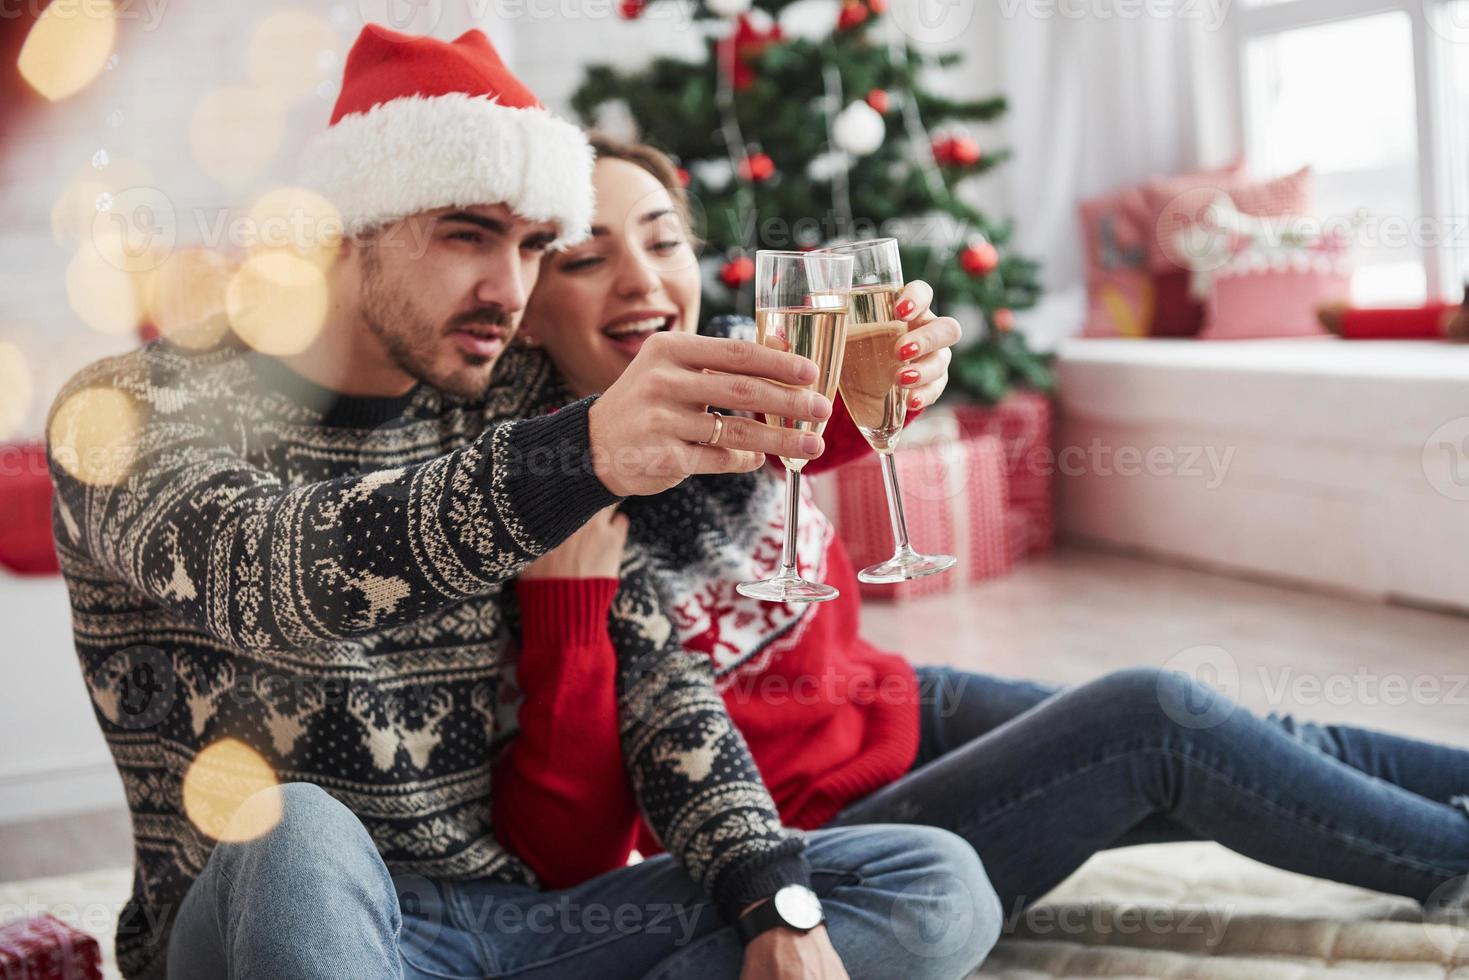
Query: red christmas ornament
(1004,320)
(878,99)
(632,9)
(979,259)
(964,152)
(684,177)
(757,167)
(853,15)
(736,272)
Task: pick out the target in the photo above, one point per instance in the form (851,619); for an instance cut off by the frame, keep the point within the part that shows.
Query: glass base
(790,588)
(901,568)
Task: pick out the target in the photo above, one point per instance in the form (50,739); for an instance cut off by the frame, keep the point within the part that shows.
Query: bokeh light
(223,795)
(94,436)
(186,297)
(291,53)
(68,46)
(297,221)
(277,303)
(15,389)
(88,193)
(235,132)
(102,285)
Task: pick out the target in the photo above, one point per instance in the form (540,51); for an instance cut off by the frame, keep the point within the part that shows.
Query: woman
(1035,777)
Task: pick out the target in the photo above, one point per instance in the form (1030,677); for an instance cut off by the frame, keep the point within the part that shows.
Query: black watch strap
(768,914)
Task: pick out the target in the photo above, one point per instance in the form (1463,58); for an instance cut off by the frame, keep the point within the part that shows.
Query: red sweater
(829,721)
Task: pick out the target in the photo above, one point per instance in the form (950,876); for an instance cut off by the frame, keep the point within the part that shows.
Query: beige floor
(1074,617)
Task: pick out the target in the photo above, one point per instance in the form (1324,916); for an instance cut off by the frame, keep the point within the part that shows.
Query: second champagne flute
(870,389)
(800,307)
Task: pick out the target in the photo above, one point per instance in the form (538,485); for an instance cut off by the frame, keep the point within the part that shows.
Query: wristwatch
(793,907)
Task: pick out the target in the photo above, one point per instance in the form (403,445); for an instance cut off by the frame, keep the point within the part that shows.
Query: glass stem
(895,503)
(793,516)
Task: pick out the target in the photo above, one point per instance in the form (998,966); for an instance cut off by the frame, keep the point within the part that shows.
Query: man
(289,570)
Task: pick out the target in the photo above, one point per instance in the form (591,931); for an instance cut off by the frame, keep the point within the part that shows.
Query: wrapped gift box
(1022,423)
(25,511)
(954,499)
(44,948)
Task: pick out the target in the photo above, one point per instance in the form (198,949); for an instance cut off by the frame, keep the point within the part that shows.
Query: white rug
(1201,912)
(1162,912)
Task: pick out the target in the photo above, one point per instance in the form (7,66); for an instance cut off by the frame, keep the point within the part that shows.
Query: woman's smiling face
(597,302)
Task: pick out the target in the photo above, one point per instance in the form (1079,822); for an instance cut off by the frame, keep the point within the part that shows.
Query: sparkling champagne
(817,332)
(870,365)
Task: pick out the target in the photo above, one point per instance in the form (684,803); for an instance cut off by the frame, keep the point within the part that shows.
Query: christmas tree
(808,122)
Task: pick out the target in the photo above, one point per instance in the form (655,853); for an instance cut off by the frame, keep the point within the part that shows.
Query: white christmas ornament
(760,21)
(728,8)
(859,129)
(828,165)
(810,20)
(714,174)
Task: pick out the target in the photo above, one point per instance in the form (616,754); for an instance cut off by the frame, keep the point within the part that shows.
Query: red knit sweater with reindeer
(828,717)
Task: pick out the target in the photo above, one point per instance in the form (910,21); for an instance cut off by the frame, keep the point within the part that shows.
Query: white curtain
(1098,101)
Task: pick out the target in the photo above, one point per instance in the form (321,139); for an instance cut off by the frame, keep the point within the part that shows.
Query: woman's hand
(593,551)
(923,352)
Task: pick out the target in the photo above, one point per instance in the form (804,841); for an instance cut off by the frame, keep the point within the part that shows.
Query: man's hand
(594,551)
(784,954)
(924,350)
(647,428)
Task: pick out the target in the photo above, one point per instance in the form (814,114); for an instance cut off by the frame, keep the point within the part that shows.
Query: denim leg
(1046,790)
(309,898)
(900,902)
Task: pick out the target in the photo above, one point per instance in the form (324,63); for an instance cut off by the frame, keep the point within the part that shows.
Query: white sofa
(1334,464)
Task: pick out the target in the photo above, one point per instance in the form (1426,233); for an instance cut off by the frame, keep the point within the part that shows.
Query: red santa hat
(422,124)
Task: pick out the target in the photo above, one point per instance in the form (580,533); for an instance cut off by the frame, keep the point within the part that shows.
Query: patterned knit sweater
(321,578)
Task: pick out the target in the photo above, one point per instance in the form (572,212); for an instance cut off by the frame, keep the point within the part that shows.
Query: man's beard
(412,341)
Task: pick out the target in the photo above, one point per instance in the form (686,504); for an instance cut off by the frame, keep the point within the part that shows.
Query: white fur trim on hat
(417,154)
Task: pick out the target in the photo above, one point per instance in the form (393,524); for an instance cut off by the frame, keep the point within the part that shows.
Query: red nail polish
(908,378)
(915,403)
(904,309)
(907,351)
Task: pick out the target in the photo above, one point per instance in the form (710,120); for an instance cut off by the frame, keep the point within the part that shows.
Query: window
(1369,94)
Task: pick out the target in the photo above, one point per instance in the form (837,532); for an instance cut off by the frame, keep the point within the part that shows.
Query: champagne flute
(800,307)
(870,390)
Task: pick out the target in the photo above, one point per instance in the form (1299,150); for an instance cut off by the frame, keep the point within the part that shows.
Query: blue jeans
(312,899)
(1039,778)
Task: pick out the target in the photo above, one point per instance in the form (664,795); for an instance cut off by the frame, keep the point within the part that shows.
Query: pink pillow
(1177,203)
(1254,297)
(1114,231)
(1120,303)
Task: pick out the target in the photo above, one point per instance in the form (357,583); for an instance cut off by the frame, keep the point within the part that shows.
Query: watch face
(798,906)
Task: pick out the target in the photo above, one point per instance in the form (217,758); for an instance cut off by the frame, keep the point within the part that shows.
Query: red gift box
(44,948)
(1022,423)
(954,499)
(25,511)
